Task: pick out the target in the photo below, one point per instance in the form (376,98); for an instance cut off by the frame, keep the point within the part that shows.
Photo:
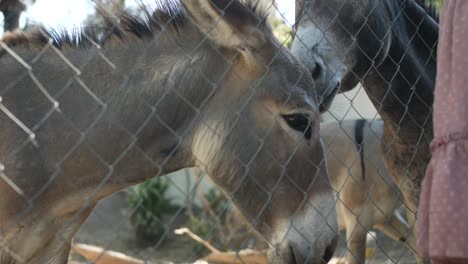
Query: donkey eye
(299,122)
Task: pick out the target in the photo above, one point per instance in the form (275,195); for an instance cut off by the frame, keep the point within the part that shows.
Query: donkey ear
(228,23)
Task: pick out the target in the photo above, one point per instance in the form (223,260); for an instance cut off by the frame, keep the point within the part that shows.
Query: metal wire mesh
(369,199)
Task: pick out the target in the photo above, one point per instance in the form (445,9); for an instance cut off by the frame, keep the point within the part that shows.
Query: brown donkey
(390,47)
(367,196)
(203,85)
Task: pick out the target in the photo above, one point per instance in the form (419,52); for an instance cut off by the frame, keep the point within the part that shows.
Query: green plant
(437,3)
(150,204)
(210,217)
(282,31)
(218,221)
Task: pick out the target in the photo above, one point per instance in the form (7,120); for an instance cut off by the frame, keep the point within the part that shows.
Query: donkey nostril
(317,71)
(330,250)
(328,254)
(294,257)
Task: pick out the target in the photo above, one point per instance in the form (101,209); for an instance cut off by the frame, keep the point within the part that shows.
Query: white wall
(351,105)
(183,186)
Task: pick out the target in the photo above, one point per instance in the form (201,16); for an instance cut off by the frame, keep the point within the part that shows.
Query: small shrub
(150,204)
(282,31)
(218,222)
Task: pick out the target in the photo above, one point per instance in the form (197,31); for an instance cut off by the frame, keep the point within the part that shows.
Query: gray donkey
(204,85)
(390,47)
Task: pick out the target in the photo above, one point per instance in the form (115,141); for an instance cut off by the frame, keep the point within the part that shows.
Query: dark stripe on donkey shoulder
(359,139)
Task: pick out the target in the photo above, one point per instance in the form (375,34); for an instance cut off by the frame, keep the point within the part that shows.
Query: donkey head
(332,36)
(257,136)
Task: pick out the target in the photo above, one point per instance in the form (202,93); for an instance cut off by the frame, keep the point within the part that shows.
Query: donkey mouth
(328,98)
(330,250)
(295,257)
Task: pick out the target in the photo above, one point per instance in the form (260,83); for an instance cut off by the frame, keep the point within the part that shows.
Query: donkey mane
(169,16)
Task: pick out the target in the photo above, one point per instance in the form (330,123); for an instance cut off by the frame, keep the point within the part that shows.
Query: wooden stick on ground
(184,230)
(244,256)
(98,255)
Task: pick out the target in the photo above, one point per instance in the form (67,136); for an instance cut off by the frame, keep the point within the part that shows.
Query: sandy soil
(109,227)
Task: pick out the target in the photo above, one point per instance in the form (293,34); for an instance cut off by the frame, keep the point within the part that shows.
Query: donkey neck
(134,102)
(402,86)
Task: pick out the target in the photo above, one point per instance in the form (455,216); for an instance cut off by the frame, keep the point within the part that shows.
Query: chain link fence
(76,79)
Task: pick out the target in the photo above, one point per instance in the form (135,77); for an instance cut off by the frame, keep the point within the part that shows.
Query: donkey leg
(56,253)
(411,216)
(356,235)
(55,249)
(411,189)
(398,230)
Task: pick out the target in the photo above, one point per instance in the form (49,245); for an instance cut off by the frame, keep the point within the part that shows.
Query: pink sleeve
(443,212)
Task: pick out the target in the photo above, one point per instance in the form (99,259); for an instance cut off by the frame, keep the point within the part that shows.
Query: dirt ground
(109,227)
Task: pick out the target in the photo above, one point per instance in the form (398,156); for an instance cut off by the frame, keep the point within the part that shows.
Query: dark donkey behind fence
(390,47)
(80,121)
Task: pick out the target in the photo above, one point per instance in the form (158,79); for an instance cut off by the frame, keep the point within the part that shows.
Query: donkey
(11,10)
(367,196)
(390,47)
(204,84)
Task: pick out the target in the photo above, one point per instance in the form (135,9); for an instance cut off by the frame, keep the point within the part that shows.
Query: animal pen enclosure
(169,95)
